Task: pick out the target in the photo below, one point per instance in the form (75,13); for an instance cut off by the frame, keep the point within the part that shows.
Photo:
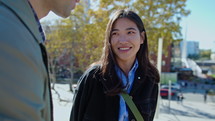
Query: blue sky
(198,26)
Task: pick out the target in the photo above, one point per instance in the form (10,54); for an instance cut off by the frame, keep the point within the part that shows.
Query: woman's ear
(142,34)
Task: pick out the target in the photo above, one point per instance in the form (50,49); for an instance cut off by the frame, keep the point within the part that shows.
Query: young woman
(123,67)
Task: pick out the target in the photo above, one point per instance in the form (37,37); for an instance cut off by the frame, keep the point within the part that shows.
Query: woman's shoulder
(92,71)
(89,77)
(93,68)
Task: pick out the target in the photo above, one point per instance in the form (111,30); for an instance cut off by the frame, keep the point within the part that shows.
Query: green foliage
(82,34)
(193,56)
(161,19)
(205,54)
(166,77)
(211,92)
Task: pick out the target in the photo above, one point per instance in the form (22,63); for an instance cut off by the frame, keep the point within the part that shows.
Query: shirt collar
(134,67)
(131,73)
(23,11)
(38,23)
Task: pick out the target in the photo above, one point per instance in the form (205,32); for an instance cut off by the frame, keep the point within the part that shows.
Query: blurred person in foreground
(24,83)
(123,68)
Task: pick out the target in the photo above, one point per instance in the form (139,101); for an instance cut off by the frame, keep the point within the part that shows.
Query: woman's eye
(130,32)
(113,34)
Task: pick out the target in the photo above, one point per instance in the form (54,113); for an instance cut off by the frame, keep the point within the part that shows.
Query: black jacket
(92,104)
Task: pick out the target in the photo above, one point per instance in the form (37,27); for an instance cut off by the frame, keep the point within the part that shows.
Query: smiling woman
(124,67)
(125,42)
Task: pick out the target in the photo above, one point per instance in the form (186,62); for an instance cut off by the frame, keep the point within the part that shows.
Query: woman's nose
(123,38)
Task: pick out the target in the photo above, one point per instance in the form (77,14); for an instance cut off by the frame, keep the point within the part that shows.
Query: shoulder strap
(132,106)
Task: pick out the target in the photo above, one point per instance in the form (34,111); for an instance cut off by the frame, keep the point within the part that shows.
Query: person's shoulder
(93,69)
(7,16)
(90,76)
(9,23)
(12,31)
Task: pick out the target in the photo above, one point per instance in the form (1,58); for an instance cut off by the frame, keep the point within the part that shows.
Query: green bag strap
(132,106)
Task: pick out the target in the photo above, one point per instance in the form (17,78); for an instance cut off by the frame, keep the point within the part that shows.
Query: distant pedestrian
(185,84)
(195,85)
(180,97)
(205,96)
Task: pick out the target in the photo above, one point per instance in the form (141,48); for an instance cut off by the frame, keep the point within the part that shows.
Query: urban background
(187,71)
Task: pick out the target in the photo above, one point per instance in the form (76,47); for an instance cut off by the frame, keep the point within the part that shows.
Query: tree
(82,34)
(161,19)
(193,56)
(205,54)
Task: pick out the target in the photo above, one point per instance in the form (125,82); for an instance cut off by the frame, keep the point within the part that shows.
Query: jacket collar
(24,11)
(138,80)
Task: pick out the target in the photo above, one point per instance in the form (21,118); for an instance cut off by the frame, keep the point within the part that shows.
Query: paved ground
(188,110)
(62,100)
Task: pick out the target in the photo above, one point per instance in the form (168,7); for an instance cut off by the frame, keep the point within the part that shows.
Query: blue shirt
(123,112)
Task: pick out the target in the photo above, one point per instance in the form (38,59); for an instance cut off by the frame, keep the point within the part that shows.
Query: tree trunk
(52,72)
(71,72)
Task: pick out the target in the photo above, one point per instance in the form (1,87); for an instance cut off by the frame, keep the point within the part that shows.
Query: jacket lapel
(138,80)
(24,11)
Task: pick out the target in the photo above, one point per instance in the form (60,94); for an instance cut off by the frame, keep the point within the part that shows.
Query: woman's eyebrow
(114,30)
(131,28)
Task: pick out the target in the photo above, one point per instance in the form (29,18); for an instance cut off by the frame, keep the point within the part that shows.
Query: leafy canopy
(82,34)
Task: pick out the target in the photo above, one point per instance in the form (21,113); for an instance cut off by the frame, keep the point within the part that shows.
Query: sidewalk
(62,101)
(186,111)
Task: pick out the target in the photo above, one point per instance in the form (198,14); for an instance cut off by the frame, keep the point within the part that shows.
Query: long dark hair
(113,84)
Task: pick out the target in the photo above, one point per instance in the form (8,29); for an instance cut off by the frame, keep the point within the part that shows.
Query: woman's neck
(126,67)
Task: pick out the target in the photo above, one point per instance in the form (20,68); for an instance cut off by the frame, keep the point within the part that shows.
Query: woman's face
(125,40)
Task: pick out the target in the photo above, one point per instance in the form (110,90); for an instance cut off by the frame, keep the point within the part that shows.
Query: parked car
(172,88)
(164,92)
(173,85)
(176,85)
